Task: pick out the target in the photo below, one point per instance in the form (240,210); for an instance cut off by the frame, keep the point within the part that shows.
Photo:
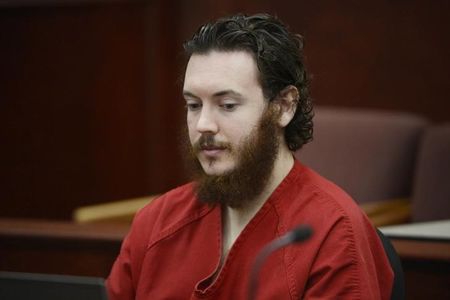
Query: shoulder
(315,201)
(169,212)
(344,244)
(173,207)
(309,197)
(166,214)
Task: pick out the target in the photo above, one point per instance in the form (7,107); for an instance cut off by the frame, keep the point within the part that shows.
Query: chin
(216,168)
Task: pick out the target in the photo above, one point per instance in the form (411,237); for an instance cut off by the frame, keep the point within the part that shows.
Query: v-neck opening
(210,284)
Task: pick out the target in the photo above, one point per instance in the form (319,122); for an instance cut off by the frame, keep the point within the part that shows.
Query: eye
(193,106)
(229,106)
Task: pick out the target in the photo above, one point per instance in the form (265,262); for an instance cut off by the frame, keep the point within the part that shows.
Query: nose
(206,122)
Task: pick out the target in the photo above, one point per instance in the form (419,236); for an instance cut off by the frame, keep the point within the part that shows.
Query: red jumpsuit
(173,250)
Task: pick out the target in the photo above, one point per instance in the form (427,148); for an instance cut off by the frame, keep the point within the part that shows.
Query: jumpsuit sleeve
(351,264)
(124,276)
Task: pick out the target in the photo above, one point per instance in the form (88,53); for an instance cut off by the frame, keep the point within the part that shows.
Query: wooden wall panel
(165,116)
(378,54)
(73,107)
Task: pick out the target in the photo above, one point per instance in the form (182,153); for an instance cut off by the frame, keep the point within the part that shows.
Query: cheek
(192,136)
(191,129)
(240,136)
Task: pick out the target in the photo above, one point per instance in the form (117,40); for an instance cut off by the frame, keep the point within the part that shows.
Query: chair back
(369,153)
(431,191)
(398,287)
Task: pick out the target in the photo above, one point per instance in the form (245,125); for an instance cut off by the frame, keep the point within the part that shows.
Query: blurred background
(90,104)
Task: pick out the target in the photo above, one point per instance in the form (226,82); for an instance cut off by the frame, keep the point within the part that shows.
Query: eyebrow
(217,94)
(228,93)
(189,94)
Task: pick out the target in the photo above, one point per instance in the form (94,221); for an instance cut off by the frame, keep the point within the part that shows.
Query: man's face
(225,103)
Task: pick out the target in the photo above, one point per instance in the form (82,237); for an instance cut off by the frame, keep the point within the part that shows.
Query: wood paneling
(57,247)
(378,54)
(73,107)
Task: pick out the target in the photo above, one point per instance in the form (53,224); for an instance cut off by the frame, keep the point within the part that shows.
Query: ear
(287,101)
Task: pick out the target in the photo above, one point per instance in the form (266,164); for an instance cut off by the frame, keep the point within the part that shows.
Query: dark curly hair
(278,55)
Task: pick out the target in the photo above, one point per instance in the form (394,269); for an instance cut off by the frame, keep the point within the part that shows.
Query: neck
(234,220)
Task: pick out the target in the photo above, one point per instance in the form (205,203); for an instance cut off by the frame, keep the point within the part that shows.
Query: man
(248,109)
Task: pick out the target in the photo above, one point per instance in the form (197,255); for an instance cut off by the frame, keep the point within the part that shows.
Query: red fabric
(174,248)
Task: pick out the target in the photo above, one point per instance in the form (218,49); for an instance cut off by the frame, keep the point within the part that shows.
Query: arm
(122,281)
(119,283)
(350,264)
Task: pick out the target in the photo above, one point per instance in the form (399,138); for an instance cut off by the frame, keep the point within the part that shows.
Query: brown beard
(255,161)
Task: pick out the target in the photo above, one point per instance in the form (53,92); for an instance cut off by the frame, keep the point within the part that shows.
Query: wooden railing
(59,247)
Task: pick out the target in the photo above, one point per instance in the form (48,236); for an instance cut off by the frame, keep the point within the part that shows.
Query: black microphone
(296,235)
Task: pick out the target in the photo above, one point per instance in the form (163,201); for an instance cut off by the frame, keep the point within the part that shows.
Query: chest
(187,264)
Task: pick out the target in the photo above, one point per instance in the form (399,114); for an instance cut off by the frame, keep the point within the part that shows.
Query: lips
(212,150)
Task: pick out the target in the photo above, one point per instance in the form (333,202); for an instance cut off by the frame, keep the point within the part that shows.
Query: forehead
(222,70)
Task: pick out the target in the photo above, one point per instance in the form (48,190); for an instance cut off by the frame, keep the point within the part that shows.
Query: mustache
(207,141)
